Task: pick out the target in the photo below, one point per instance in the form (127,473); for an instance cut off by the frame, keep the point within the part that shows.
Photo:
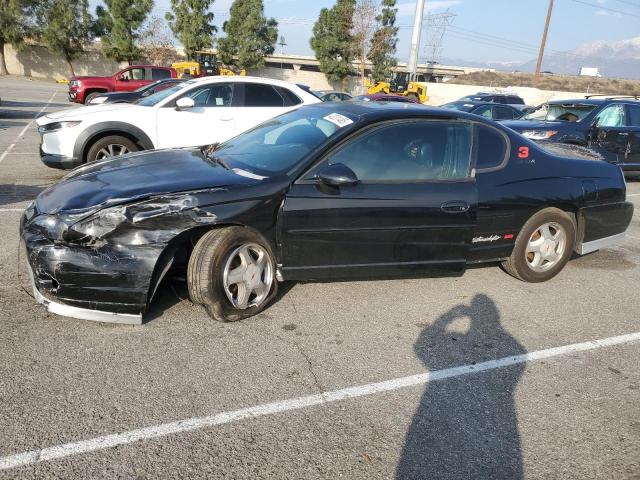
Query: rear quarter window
(491,148)
(160,73)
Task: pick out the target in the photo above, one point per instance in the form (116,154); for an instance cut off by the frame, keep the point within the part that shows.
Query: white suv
(194,113)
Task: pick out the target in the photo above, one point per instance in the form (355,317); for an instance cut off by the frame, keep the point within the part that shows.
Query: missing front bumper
(78,312)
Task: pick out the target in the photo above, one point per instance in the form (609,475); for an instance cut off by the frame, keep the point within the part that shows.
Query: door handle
(623,134)
(456,206)
(226,119)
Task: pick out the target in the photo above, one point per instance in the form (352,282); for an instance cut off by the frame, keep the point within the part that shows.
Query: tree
(156,42)
(332,40)
(383,43)
(16,24)
(67,28)
(119,25)
(191,22)
(250,35)
(364,24)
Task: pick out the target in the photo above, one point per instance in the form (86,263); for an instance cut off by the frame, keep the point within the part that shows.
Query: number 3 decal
(523,152)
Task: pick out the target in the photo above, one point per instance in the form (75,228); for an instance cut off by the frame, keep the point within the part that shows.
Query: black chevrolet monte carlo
(329,191)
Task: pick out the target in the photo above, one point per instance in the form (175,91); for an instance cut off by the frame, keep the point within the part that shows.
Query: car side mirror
(337,175)
(185,103)
(122,78)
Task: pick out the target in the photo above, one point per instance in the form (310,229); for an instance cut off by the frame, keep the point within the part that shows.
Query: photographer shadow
(465,426)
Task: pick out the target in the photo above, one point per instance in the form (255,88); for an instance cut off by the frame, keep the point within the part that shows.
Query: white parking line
(632,194)
(11,210)
(24,130)
(180,426)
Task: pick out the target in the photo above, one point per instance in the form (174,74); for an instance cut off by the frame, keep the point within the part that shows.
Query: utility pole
(412,65)
(282,45)
(544,39)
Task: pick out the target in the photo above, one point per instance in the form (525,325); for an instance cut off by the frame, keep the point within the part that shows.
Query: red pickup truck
(83,89)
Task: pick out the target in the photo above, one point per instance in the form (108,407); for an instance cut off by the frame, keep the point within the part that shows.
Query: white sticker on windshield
(339,120)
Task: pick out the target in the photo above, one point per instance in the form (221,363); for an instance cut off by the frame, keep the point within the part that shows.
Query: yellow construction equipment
(400,85)
(204,64)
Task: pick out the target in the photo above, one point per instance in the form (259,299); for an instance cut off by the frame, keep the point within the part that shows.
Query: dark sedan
(329,191)
(134,96)
(609,126)
(485,109)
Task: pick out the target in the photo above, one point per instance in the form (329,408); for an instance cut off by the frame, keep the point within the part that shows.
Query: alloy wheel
(546,247)
(247,276)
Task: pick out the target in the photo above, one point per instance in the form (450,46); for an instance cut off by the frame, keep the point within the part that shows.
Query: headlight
(74,83)
(98,225)
(52,127)
(51,226)
(538,134)
(97,100)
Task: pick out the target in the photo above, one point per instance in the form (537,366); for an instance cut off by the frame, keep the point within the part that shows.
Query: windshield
(157,97)
(277,145)
(568,112)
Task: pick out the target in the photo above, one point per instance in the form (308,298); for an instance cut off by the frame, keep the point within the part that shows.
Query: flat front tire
(232,273)
(543,246)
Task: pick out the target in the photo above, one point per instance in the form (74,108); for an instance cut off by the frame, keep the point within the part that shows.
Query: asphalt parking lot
(328,382)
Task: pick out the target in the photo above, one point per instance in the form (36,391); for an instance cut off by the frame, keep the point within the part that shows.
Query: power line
(627,2)
(601,7)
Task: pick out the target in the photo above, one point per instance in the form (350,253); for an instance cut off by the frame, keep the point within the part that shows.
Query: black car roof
(391,110)
(475,103)
(592,101)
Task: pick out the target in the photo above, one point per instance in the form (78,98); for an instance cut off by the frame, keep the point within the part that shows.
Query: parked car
(196,112)
(332,96)
(83,89)
(488,110)
(312,194)
(132,97)
(610,126)
(503,98)
(384,97)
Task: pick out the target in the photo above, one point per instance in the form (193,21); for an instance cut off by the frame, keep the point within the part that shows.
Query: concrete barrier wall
(440,93)
(37,61)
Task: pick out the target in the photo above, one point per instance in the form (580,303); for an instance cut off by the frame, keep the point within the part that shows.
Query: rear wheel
(231,273)
(543,247)
(110,146)
(414,96)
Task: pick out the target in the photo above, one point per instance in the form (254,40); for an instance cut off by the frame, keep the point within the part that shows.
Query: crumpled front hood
(135,177)
(80,112)
(520,125)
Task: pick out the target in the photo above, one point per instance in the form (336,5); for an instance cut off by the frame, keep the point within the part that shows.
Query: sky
(481,31)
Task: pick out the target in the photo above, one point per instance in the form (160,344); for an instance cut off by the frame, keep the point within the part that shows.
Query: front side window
(133,74)
(261,95)
(503,113)
(484,111)
(216,95)
(611,116)
(409,151)
(634,116)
